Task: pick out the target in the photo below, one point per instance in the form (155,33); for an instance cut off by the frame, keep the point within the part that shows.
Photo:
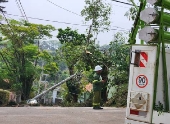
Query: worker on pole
(97,87)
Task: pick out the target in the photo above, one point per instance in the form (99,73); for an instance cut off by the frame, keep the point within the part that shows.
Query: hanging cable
(123,2)
(21,7)
(58,21)
(8,23)
(120,6)
(63,8)
(46,20)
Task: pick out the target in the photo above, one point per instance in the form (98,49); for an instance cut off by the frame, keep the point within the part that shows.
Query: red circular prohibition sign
(141,81)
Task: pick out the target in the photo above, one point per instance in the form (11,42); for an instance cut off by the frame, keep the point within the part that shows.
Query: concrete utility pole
(53,87)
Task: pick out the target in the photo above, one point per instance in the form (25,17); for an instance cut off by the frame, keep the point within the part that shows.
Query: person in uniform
(97,87)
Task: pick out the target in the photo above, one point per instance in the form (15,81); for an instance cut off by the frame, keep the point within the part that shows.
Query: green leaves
(132,13)
(119,54)
(30,50)
(51,68)
(22,31)
(97,12)
(70,36)
(72,49)
(16,86)
(71,52)
(45,56)
(21,56)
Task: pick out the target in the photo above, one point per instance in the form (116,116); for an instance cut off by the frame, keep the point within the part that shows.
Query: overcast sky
(45,10)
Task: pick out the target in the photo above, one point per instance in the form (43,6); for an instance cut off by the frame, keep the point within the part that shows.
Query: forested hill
(51,45)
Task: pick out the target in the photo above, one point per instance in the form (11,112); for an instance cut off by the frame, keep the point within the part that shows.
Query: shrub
(4,85)
(11,103)
(4,97)
(119,98)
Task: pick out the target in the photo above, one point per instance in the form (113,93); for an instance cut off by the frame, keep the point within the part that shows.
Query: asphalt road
(61,115)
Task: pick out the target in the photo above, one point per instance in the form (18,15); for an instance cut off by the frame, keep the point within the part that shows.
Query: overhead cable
(23,9)
(122,2)
(19,7)
(63,8)
(119,6)
(58,21)
(19,4)
(46,20)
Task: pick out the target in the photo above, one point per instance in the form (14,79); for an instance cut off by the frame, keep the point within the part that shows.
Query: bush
(4,97)
(87,103)
(4,85)
(12,103)
(119,98)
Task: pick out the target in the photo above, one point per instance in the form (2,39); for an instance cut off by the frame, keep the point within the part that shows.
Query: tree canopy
(20,55)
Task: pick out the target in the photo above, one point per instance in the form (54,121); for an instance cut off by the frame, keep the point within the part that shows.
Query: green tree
(119,54)
(119,71)
(96,12)
(133,11)
(71,52)
(21,55)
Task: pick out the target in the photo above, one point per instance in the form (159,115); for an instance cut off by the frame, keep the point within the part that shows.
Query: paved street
(61,115)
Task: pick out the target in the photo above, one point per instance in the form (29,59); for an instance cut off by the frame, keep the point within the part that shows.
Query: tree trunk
(27,83)
(104,76)
(74,95)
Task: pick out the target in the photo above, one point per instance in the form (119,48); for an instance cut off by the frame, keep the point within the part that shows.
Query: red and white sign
(143,59)
(141,81)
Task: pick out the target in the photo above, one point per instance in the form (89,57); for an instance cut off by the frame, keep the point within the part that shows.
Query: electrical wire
(7,23)
(58,21)
(46,20)
(63,8)
(120,6)
(120,30)
(23,10)
(123,2)
(19,8)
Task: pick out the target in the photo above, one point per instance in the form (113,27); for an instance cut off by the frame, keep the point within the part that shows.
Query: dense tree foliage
(97,12)
(70,52)
(20,55)
(119,54)
(119,71)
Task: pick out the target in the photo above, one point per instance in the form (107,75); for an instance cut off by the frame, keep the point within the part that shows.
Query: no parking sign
(141,81)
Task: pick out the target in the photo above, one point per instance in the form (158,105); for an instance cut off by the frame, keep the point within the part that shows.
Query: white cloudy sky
(45,10)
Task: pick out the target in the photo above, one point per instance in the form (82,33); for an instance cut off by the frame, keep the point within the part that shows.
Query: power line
(122,2)
(119,6)
(63,8)
(121,28)
(8,23)
(19,4)
(46,20)
(23,9)
(114,29)
(58,21)
(19,8)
